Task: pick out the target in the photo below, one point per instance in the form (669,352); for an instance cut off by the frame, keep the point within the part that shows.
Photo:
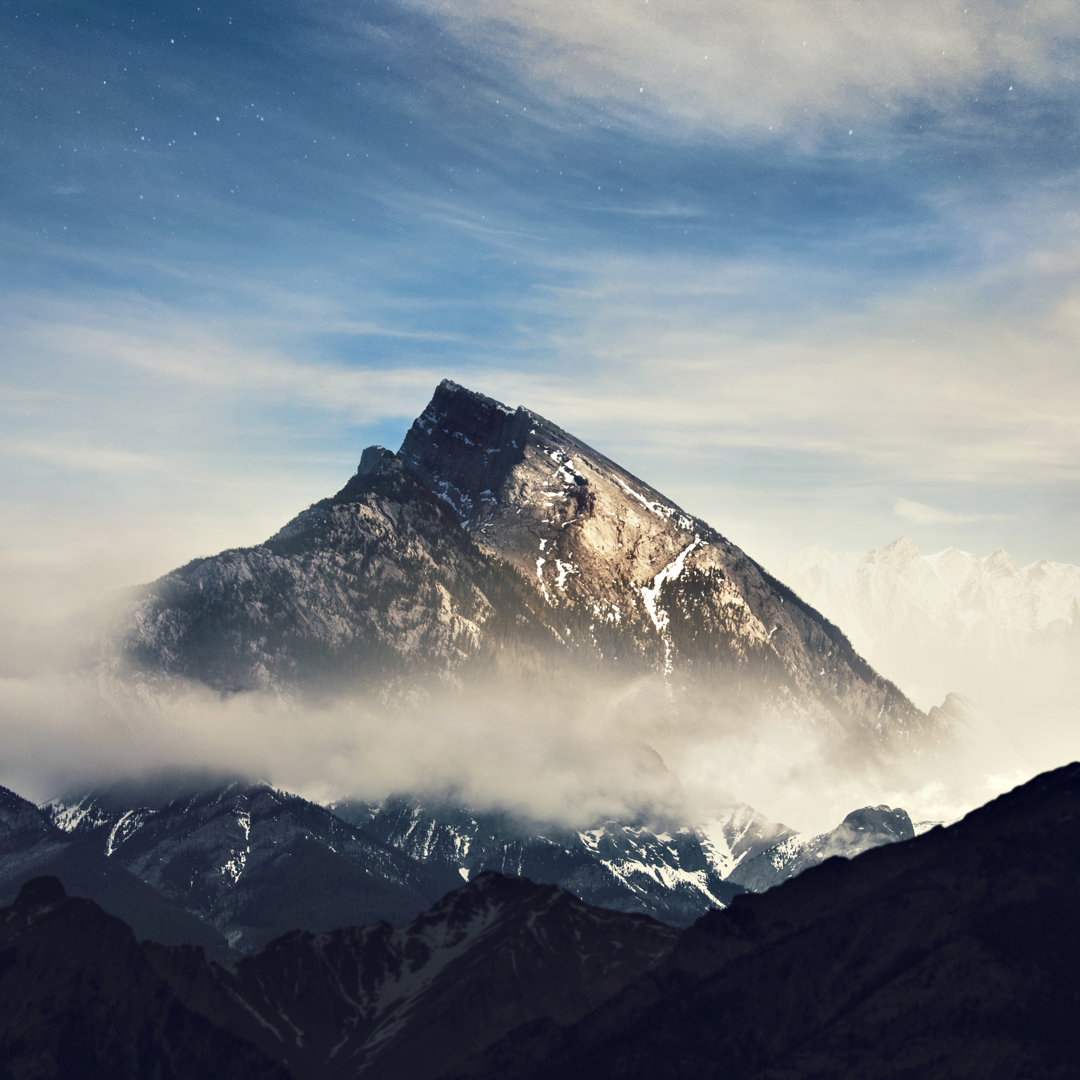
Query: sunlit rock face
(631,577)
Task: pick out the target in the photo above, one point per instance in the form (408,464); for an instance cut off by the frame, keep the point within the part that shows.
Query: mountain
(674,874)
(391,1004)
(958,615)
(789,853)
(951,955)
(229,866)
(628,867)
(248,860)
(79,998)
(494,544)
(948,955)
(32,845)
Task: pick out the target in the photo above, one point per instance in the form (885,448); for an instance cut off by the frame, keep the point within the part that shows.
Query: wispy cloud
(922,514)
(85,458)
(782,66)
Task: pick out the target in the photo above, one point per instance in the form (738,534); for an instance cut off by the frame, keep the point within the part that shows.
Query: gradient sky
(810,268)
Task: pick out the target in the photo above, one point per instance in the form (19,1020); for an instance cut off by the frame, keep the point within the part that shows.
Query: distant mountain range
(231,866)
(948,955)
(991,603)
(1006,637)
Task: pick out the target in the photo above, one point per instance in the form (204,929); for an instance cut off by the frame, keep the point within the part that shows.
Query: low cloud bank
(576,753)
(578,758)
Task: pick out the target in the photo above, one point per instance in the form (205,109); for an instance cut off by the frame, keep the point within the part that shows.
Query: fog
(573,754)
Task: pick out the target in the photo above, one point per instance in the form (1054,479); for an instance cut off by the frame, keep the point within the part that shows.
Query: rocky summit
(496,545)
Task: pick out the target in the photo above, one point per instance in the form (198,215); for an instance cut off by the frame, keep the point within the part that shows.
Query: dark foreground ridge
(950,955)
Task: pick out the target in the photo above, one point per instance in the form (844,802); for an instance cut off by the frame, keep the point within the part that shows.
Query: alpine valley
(539,691)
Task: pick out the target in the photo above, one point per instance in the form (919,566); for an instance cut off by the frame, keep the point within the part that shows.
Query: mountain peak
(379,470)
(904,545)
(464,445)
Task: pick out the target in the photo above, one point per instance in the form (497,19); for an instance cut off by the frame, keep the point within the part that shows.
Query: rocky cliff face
(377,587)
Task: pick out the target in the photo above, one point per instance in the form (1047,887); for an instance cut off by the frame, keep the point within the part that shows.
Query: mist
(574,758)
(574,752)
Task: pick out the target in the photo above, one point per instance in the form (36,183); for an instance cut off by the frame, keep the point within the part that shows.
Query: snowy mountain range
(988,602)
(229,866)
(1005,636)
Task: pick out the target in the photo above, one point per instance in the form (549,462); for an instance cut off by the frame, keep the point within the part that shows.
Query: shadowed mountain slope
(951,955)
(79,998)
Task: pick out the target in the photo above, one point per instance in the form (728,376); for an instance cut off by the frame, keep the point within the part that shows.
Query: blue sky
(809,268)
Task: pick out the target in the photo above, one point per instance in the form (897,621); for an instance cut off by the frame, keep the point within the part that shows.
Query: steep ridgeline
(232,865)
(635,867)
(627,574)
(495,545)
(674,874)
(391,1004)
